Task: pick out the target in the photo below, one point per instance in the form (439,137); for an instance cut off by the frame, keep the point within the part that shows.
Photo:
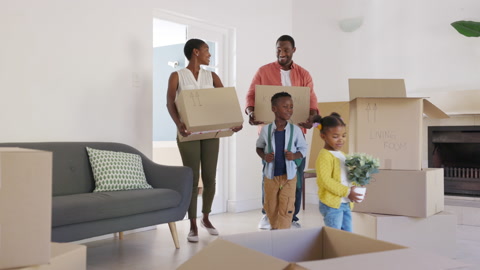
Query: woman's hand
(237,129)
(182,129)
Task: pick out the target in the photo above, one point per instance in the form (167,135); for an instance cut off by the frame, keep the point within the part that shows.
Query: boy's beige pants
(280,203)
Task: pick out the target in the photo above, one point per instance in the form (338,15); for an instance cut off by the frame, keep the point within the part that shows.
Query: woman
(202,152)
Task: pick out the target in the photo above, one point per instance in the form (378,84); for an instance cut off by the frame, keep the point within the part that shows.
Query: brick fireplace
(456,149)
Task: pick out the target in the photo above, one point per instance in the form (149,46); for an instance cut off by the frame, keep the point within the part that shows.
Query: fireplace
(456,149)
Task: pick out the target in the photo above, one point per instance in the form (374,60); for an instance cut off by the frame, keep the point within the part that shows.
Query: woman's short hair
(191,44)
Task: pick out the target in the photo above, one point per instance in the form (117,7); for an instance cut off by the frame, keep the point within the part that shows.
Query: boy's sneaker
(296,225)
(264,223)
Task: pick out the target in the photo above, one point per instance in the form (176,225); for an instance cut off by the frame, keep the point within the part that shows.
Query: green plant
(467,28)
(361,167)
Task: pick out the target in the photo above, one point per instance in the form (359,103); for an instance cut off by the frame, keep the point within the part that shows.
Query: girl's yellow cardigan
(330,187)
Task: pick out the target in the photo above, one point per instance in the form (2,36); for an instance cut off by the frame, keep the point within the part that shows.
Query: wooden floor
(154,249)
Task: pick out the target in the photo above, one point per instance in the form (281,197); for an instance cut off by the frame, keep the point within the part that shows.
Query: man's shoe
(296,225)
(264,223)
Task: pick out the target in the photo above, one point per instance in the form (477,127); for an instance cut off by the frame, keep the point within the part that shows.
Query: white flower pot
(361,191)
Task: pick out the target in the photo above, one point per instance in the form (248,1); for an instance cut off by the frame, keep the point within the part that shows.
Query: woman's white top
(343,172)
(186,80)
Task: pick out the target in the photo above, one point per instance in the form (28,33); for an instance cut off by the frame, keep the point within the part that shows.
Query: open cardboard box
(316,248)
(435,233)
(404,193)
(263,104)
(386,124)
(382,122)
(25,207)
(209,113)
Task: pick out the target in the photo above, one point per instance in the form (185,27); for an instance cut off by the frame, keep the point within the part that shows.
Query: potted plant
(360,167)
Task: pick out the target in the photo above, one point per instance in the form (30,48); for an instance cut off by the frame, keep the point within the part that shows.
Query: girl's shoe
(211,231)
(192,237)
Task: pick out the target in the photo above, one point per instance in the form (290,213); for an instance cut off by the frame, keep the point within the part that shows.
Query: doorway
(170,32)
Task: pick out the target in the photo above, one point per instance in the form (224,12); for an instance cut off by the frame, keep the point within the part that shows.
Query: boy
(279,145)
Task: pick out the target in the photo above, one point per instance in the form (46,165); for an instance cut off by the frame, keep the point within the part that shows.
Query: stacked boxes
(386,124)
(26,214)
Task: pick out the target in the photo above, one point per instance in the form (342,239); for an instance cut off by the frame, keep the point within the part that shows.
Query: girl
(335,191)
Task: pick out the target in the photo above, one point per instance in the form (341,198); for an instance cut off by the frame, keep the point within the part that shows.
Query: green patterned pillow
(114,171)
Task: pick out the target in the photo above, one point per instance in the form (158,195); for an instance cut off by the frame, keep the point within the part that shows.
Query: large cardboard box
(316,248)
(387,124)
(435,233)
(65,256)
(263,104)
(209,113)
(25,207)
(326,108)
(404,193)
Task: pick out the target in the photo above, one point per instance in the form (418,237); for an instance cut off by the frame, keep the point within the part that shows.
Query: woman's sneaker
(264,223)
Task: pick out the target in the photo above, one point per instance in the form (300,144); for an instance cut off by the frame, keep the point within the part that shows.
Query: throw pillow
(115,171)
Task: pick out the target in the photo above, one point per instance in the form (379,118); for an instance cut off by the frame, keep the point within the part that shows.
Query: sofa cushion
(77,208)
(116,170)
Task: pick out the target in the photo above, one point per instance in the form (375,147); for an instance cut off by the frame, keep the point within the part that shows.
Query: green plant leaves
(360,167)
(467,28)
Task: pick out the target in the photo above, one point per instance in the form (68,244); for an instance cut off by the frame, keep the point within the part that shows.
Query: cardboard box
(209,113)
(317,248)
(404,193)
(326,108)
(435,233)
(25,207)
(263,103)
(386,124)
(65,256)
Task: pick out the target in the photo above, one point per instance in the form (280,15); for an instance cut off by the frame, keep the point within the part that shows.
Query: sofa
(79,213)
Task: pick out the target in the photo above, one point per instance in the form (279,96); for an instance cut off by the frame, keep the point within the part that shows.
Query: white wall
(398,39)
(75,71)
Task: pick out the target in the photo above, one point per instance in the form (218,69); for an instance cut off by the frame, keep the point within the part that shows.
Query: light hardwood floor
(154,249)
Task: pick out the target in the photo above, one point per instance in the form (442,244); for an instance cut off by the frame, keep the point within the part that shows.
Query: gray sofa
(77,213)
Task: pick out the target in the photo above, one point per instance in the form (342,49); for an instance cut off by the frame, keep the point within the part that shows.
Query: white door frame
(226,170)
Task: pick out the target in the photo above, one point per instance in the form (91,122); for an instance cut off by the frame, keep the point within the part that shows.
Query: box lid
(389,88)
(376,88)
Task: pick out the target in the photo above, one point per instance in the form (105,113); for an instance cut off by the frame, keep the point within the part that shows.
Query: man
(283,72)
